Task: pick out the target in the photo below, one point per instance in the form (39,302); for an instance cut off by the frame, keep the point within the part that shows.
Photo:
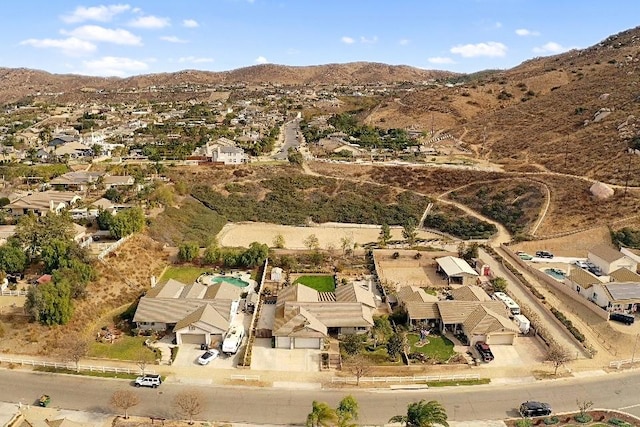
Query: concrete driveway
(266,358)
(526,351)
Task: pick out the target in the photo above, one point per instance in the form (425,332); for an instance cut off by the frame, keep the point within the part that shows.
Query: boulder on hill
(601,190)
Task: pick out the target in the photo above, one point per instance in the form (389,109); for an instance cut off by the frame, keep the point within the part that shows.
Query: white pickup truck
(233,340)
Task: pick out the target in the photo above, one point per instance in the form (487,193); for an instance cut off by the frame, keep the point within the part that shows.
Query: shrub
(524,423)
(619,422)
(551,420)
(583,418)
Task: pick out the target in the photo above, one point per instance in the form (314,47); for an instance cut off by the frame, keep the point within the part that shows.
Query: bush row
(568,324)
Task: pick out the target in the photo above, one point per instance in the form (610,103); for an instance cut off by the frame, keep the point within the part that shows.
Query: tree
(359,366)
(254,255)
(188,403)
(73,348)
(56,253)
(32,231)
(127,222)
(347,411)
(295,157)
(143,358)
(124,399)
(188,251)
(499,284)
(50,303)
(321,415)
(423,414)
(385,235)
(395,345)
(104,219)
(558,356)
(211,254)
(410,232)
(12,258)
(346,243)
(381,329)
(278,241)
(351,343)
(312,242)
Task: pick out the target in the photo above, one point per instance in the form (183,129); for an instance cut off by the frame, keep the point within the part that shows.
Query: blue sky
(125,38)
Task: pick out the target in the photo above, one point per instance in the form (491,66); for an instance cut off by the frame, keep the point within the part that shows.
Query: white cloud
(101,34)
(173,39)
(347,40)
(190,23)
(194,59)
(551,47)
(524,32)
(404,42)
(95,13)
(114,66)
(261,60)
(440,60)
(365,40)
(71,46)
(150,22)
(490,49)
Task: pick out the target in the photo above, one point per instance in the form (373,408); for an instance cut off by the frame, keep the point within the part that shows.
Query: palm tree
(322,415)
(423,414)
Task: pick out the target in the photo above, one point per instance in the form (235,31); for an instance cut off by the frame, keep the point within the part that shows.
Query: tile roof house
(76,181)
(196,313)
(304,316)
(610,259)
(43,203)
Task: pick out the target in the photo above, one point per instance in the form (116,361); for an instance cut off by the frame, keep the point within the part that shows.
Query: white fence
(14,293)
(413,379)
(113,247)
(72,366)
(619,363)
(245,377)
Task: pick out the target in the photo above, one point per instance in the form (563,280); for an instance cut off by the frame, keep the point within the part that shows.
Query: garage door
(193,339)
(307,343)
(283,342)
(498,339)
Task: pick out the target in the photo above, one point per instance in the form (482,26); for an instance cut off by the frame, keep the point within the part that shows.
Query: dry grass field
(329,236)
(573,245)
(126,275)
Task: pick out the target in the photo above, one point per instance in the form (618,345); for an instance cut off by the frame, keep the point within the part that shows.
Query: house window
(595,296)
(192,328)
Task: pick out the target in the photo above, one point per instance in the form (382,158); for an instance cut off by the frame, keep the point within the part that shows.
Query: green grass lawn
(319,283)
(439,347)
(124,348)
(186,275)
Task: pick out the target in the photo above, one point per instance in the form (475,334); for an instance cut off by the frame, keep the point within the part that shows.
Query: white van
(522,322)
(233,340)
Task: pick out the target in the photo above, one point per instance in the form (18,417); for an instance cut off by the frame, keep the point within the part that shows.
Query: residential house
(421,307)
(617,296)
(110,181)
(42,203)
(456,271)
(73,149)
(229,156)
(304,317)
(470,293)
(581,281)
(76,181)
(196,313)
(479,320)
(610,259)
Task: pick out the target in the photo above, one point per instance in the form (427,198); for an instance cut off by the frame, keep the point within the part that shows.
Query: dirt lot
(243,234)
(574,245)
(407,270)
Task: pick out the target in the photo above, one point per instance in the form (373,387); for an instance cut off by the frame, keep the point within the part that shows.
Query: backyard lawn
(124,348)
(439,347)
(186,275)
(319,283)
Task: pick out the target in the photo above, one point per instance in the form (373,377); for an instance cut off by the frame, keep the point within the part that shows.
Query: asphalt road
(290,139)
(279,406)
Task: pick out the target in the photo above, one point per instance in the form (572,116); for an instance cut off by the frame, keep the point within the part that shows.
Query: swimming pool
(241,280)
(555,273)
(229,279)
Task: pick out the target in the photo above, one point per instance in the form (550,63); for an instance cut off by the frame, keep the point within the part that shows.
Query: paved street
(290,139)
(286,406)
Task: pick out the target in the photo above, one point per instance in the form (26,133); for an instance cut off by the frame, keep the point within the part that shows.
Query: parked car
(627,319)
(524,256)
(148,380)
(535,409)
(208,356)
(596,271)
(581,264)
(544,254)
(44,400)
(485,351)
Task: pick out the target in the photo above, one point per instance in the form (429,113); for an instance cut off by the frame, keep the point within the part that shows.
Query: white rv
(523,323)
(506,300)
(233,340)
